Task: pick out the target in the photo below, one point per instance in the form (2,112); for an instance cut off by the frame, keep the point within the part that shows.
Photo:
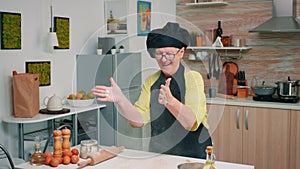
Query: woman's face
(168,59)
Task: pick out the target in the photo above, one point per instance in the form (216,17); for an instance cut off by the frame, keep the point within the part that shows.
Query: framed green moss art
(10,29)
(43,68)
(62,29)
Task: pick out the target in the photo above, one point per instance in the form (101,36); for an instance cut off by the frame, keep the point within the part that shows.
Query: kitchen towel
(25,92)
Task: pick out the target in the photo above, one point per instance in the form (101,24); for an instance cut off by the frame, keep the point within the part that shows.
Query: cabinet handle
(238,119)
(246,119)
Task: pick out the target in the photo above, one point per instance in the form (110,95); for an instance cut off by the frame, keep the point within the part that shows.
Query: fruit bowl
(80,103)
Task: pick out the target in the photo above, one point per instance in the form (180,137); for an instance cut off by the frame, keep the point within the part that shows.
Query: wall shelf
(195,48)
(205,4)
(226,49)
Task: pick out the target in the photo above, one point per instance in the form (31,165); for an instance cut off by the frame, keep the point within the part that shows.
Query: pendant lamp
(53,41)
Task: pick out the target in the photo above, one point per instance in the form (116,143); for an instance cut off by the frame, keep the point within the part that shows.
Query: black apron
(167,134)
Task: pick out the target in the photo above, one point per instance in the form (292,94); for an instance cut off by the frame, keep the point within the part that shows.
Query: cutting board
(228,78)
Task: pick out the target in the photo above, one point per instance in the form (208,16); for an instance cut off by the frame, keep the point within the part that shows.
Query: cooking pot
(287,88)
(263,90)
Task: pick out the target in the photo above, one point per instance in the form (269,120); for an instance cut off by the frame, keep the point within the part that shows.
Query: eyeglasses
(168,56)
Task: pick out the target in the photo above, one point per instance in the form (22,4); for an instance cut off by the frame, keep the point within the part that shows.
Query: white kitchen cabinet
(250,135)
(295,140)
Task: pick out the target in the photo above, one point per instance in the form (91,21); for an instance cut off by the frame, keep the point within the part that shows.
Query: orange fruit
(79,96)
(67,153)
(60,159)
(75,151)
(74,159)
(47,154)
(48,160)
(54,162)
(66,160)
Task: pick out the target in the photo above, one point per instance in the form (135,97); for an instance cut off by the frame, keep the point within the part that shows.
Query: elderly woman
(172,100)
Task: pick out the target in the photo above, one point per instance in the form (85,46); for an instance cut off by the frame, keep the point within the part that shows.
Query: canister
(226,40)
(88,147)
(199,38)
(240,42)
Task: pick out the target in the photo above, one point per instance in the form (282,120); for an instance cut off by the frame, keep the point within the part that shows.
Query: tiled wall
(273,57)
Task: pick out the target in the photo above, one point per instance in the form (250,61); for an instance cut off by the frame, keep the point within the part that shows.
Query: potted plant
(112,23)
(99,49)
(113,50)
(121,49)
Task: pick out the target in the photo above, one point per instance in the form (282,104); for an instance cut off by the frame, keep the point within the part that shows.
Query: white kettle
(54,103)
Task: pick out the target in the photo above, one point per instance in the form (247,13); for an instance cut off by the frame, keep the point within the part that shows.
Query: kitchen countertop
(252,103)
(134,159)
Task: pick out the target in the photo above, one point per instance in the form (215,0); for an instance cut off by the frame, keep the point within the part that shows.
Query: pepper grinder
(57,146)
(66,139)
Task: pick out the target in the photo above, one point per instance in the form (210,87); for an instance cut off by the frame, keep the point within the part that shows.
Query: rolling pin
(225,96)
(102,155)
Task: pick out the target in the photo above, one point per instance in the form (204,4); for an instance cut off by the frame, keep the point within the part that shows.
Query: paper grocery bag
(25,92)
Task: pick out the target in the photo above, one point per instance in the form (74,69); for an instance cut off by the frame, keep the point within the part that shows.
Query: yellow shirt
(194,97)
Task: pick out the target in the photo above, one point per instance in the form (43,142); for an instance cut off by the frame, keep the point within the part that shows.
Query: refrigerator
(125,68)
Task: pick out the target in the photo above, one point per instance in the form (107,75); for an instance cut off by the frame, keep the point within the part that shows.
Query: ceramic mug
(240,42)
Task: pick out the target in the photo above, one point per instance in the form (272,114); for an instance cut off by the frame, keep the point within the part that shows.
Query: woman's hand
(182,113)
(108,94)
(165,96)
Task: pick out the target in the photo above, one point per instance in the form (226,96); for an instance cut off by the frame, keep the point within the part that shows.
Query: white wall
(85,18)
(162,12)
(86,24)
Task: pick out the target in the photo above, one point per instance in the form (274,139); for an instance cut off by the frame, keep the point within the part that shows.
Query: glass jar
(37,158)
(88,147)
(210,158)
(226,40)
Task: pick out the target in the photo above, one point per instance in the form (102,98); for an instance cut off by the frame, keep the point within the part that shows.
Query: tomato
(75,151)
(66,160)
(54,162)
(48,154)
(67,153)
(48,160)
(60,159)
(74,159)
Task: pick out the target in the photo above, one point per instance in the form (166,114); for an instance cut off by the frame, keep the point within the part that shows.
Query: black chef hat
(171,35)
